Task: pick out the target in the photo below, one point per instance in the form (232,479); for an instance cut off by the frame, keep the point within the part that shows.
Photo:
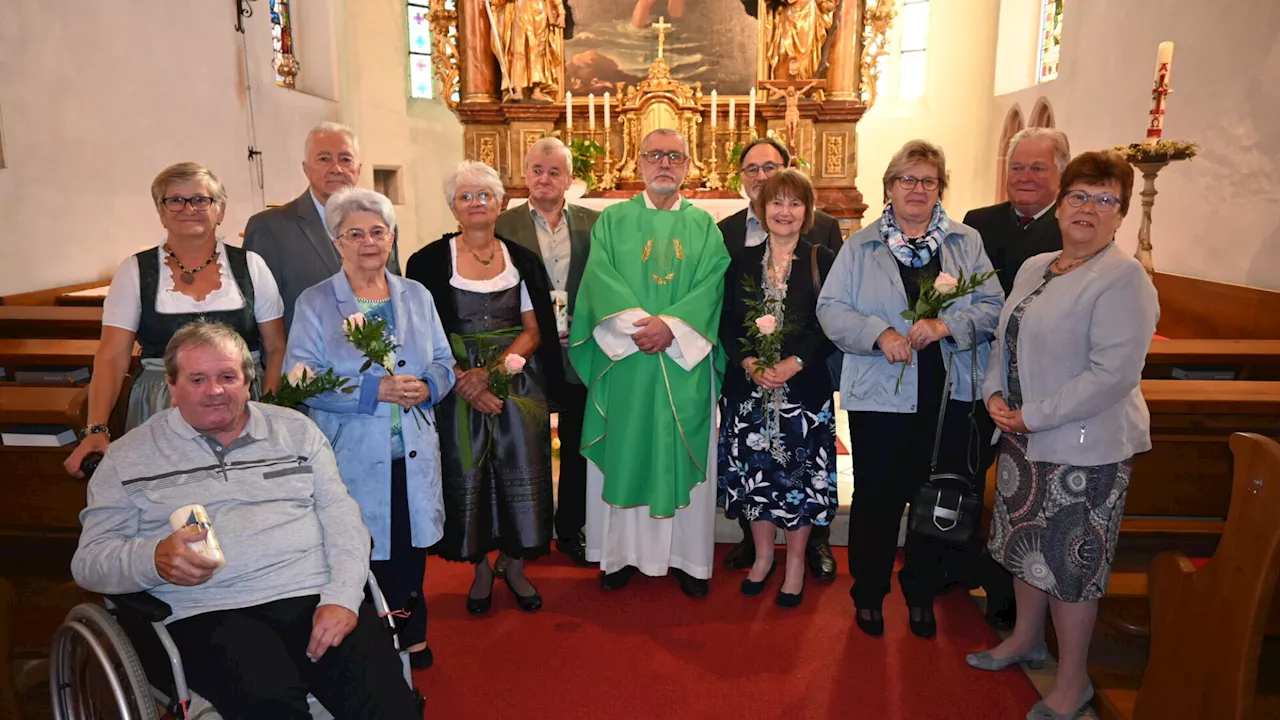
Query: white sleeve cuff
(689,347)
(613,336)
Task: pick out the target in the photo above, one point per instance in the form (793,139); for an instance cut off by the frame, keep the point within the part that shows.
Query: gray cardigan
(1081,348)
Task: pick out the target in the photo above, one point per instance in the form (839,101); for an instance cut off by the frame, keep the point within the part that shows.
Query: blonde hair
(912,152)
(185,172)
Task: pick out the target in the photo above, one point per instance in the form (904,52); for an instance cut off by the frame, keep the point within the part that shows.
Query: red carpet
(648,652)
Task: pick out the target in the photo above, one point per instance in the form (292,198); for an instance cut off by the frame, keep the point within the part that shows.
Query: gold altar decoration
(877,18)
(445,60)
(528,43)
(793,30)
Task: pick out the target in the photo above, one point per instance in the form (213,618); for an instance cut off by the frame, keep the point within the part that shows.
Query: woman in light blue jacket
(878,274)
(387,451)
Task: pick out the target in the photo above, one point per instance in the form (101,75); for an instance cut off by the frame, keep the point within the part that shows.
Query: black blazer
(825,231)
(433,267)
(1009,245)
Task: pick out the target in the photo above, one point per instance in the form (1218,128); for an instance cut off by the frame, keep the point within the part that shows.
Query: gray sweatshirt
(274,496)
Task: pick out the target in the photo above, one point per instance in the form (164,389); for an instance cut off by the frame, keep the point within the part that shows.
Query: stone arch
(1013,123)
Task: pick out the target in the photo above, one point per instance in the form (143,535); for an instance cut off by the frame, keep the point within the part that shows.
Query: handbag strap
(946,397)
(813,269)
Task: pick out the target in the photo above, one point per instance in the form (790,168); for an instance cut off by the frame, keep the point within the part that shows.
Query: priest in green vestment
(644,340)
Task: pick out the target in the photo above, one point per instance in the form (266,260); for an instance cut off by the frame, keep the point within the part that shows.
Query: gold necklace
(1064,269)
(189,276)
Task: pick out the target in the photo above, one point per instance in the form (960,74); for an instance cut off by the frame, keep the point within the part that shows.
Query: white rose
(945,284)
(298,374)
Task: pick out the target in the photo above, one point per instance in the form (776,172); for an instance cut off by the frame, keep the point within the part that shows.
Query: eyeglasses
(906,182)
(655,156)
(198,203)
(1104,203)
(469,198)
(359,235)
(768,169)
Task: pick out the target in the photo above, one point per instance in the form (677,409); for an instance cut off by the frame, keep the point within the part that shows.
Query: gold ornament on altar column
(796,31)
(529,42)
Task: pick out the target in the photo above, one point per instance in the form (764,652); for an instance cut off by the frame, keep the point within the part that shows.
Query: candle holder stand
(1149,171)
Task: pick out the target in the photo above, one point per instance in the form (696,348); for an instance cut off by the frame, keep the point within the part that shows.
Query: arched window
(901,72)
(284,62)
(1042,114)
(1050,40)
(1013,123)
(433,49)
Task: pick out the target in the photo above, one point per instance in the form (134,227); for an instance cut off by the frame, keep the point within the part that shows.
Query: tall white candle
(568,111)
(751,116)
(1160,91)
(591,111)
(714,108)
(731,109)
(606,111)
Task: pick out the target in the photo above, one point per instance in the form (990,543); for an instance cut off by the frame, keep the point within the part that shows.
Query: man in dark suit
(1025,225)
(761,158)
(561,235)
(1012,232)
(292,238)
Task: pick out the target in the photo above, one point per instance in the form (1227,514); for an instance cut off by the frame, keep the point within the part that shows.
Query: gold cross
(662,26)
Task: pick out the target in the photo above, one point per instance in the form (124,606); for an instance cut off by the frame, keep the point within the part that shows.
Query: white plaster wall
(1018,46)
(1217,216)
(97,101)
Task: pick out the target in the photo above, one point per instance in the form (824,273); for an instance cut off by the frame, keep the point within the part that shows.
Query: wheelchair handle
(89,464)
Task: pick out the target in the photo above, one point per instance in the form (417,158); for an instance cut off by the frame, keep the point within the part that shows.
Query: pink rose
(354,321)
(944,284)
(298,374)
(513,364)
(767,324)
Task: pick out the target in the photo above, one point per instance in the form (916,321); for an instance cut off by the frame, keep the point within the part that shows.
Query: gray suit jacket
(297,248)
(516,225)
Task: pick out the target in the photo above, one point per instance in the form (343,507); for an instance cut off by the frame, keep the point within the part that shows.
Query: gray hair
(912,152)
(185,172)
(349,200)
(332,127)
(668,132)
(547,146)
(470,172)
(1061,148)
(205,334)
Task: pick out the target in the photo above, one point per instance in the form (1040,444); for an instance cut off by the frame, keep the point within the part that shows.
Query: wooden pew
(88,297)
(1249,359)
(49,321)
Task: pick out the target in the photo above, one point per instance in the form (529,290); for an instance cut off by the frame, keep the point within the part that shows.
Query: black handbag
(835,361)
(947,508)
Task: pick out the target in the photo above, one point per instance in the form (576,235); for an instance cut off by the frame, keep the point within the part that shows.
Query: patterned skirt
(1055,526)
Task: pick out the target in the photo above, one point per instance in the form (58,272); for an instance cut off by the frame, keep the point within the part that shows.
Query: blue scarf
(914,253)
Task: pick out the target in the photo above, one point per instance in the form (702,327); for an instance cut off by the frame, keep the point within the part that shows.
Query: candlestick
(568,111)
(606,111)
(1160,91)
(731,108)
(591,112)
(751,116)
(714,113)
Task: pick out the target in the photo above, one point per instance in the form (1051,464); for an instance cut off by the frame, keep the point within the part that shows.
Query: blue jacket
(864,295)
(357,425)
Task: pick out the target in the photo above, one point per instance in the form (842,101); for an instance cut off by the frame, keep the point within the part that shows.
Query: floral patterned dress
(1053,526)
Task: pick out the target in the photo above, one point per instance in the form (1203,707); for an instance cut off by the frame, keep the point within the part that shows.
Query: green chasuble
(648,420)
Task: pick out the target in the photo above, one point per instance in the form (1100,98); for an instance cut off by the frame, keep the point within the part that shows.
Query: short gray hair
(332,127)
(1061,148)
(470,172)
(912,152)
(668,132)
(349,200)
(185,172)
(547,146)
(205,334)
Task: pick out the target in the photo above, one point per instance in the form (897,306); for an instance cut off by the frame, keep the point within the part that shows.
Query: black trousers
(890,465)
(571,495)
(404,572)
(251,664)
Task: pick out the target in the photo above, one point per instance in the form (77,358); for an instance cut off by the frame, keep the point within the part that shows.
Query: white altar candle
(731,109)
(606,111)
(1160,91)
(714,100)
(751,116)
(568,111)
(591,111)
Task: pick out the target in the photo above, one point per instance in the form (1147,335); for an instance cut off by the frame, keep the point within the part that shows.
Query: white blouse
(505,280)
(123,305)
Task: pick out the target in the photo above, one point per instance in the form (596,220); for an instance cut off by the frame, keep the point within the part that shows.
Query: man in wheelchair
(287,613)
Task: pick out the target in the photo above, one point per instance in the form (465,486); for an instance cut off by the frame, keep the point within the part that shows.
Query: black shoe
(873,625)
(751,589)
(618,579)
(527,603)
(787,600)
(576,551)
(1001,617)
(421,659)
(822,564)
(742,556)
(690,585)
(480,606)
(924,627)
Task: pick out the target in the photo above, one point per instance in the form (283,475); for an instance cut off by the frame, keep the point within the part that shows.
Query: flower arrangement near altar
(371,337)
(936,296)
(301,384)
(1158,151)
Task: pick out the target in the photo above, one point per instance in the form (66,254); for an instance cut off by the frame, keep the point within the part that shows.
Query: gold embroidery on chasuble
(663,268)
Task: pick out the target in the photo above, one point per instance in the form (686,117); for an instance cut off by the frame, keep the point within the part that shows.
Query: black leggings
(405,571)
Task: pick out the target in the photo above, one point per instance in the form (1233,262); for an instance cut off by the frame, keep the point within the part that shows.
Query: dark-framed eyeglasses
(1104,203)
(655,156)
(357,236)
(484,197)
(175,203)
(907,182)
(768,169)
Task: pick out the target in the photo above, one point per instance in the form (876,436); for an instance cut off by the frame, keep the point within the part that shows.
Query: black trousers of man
(571,495)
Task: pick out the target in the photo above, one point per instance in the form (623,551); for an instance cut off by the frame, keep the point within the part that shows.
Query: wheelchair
(96,661)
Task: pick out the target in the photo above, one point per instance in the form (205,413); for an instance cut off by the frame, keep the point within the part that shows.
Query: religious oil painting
(709,41)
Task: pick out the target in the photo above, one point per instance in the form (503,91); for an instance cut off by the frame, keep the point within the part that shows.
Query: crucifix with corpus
(662,26)
(791,91)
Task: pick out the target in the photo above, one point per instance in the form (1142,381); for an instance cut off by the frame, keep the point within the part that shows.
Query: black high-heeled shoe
(750,588)
(480,606)
(527,603)
(924,627)
(872,625)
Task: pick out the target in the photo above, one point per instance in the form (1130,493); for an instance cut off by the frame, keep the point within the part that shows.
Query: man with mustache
(644,340)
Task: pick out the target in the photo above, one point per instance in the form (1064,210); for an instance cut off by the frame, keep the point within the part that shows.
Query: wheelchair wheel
(94,672)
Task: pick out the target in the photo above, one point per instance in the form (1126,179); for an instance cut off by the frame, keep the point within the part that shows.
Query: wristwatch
(95,429)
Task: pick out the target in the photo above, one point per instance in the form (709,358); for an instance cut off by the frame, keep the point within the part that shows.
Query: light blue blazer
(357,425)
(863,295)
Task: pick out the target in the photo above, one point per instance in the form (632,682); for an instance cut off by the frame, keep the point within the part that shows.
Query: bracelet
(95,429)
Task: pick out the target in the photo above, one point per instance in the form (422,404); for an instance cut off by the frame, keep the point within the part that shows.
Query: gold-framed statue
(528,38)
(796,30)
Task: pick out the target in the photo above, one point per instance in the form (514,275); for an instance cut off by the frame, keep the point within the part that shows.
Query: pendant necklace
(492,254)
(189,276)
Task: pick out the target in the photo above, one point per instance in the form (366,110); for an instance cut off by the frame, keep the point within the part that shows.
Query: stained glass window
(1050,39)
(421,84)
(914,18)
(285,64)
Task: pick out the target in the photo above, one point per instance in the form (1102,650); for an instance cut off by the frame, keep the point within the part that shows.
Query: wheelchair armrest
(142,606)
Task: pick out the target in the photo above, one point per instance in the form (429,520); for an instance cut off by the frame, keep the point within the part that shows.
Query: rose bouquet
(936,296)
(765,332)
(371,337)
(301,384)
(501,370)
